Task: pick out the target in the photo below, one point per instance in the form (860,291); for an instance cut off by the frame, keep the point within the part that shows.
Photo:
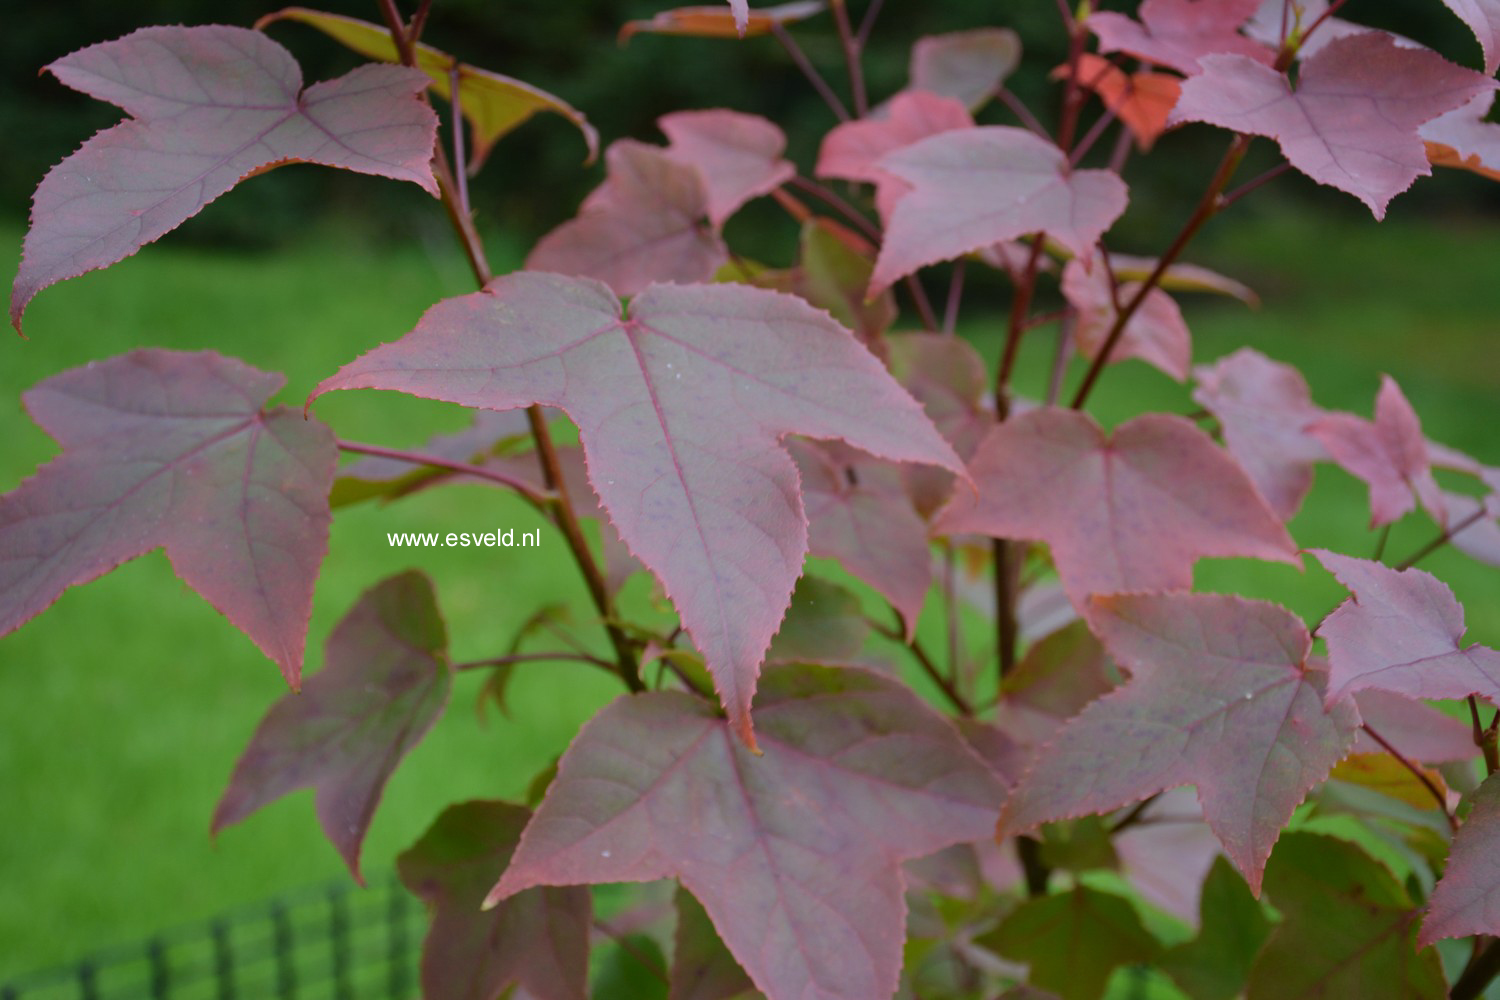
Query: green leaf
(825,624)
(1349,928)
(1074,940)
(1215,964)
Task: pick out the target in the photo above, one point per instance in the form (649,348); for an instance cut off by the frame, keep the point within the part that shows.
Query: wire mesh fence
(334,942)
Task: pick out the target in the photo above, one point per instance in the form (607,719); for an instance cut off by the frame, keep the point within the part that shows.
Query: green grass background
(123,708)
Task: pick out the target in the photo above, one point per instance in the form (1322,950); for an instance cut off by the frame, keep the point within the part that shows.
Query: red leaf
(968,66)
(795,854)
(537,941)
(716,22)
(1389,454)
(860,513)
(209,107)
(1465,139)
(384,684)
(851,151)
(1265,408)
(1400,632)
(1352,121)
(1177,33)
(1483,18)
(737,155)
(946,375)
(645,223)
(1156,334)
(1128,512)
(979,186)
(680,407)
(1467,899)
(1220,697)
(1418,730)
(162,448)
(1057,678)
(1142,100)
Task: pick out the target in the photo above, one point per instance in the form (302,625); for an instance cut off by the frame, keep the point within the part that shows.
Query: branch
(514,658)
(1479,973)
(853,57)
(562,508)
(1442,539)
(964,706)
(810,71)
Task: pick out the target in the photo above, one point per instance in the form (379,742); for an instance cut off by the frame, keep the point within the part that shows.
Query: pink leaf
(645,223)
(860,513)
(384,684)
(1466,900)
(741,11)
(1352,121)
(851,150)
(162,448)
(1129,512)
(1178,33)
(968,66)
(1265,408)
(1400,632)
(1156,334)
(1481,538)
(1220,697)
(979,186)
(1418,730)
(1389,454)
(946,375)
(1483,18)
(737,155)
(808,899)
(679,406)
(209,107)
(1464,138)
(1057,678)
(536,941)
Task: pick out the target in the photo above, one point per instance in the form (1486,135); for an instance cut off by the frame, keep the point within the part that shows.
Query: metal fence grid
(334,942)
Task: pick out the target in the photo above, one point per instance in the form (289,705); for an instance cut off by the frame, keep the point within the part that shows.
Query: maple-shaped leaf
(1156,334)
(1348,928)
(702,968)
(1179,33)
(680,406)
(536,941)
(1463,138)
(1265,409)
(1216,963)
(809,900)
(946,375)
(1388,453)
(384,683)
(1074,940)
(647,222)
(968,66)
(860,513)
(717,22)
(851,151)
(493,104)
(209,106)
(1466,900)
(975,187)
(1381,772)
(1400,632)
(1418,730)
(1143,100)
(1483,18)
(1351,122)
(738,155)
(1128,511)
(163,449)
(1220,697)
(1168,851)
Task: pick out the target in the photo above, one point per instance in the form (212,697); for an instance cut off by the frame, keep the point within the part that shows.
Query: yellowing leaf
(1388,776)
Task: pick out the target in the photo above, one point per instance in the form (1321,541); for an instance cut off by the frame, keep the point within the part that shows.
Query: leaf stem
(514,658)
(1485,739)
(538,500)
(1022,112)
(1020,305)
(1208,206)
(1442,539)
(456,120)
(925,661)
(840,205)
(562,508)
(1090,137)
(1442,801)
(867,24)
(853,56)
(809,71)
(955,298)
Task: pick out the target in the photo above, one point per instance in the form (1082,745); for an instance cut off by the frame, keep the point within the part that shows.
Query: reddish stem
(537,500)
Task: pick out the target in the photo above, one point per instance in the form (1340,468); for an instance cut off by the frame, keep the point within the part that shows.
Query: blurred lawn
(124,706)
